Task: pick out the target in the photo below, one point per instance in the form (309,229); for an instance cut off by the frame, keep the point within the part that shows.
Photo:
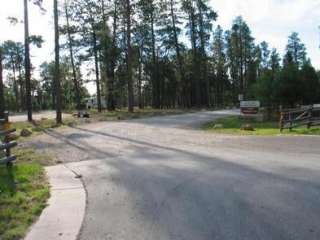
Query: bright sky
(269,20)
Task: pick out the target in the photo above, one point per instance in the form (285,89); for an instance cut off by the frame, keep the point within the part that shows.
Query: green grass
(31,156)
(23,195)
(232,125)
(24,191)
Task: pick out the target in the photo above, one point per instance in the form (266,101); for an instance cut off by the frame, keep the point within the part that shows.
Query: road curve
(159,178)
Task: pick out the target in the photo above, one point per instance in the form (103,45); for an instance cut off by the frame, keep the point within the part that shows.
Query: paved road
(160,179)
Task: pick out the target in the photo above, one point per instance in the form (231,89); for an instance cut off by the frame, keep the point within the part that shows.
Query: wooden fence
(305,116)
(5,143)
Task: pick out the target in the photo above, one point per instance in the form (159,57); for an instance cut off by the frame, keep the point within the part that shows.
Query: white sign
(250,104)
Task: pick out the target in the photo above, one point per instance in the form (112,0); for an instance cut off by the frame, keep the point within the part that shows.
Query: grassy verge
(232,125)
(24,191)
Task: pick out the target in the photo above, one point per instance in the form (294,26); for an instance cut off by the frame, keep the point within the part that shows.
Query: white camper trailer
(92,102)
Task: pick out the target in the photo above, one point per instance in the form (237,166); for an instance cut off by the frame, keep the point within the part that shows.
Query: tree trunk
(22,99)
(96,63)
(203,57)
(2,107)
(110,90)
(241,64)
(57,62)
(129,58)
(74,74)
(155,77)
(196,73)
(20,80)
(179,58)
(140,81)
(15,84)
(27,61)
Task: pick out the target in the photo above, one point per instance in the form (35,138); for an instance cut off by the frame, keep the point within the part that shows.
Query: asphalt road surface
(161,179)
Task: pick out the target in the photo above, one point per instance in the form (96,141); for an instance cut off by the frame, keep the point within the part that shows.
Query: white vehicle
(92,102)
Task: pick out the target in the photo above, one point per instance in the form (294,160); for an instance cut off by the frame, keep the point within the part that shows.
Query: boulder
(247,127)
(25,133)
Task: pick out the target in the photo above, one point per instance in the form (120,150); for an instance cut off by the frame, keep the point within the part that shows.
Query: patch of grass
(232,125)
(29,155)
(24,192)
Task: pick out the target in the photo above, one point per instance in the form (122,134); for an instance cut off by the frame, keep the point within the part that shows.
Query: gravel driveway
(21,117)
(161,179)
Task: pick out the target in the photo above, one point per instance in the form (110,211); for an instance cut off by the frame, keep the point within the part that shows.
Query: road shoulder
(63,217)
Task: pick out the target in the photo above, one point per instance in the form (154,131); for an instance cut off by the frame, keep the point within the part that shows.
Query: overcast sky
(269,20)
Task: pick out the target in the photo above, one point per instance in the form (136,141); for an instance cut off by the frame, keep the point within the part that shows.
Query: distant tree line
(159,53)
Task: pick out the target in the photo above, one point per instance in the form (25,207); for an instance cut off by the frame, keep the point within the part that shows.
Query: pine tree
(57,63)
(295,51)
(87,13)
(148,12)
(27,61)
(205,17)
(169,32)
(129,54)
(69,32)
(11,61)
(220,66)
(113,54)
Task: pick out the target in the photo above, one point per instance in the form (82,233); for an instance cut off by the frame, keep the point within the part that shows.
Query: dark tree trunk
(155,77)
(179,58)
(27,61)
(129,57)
(204,67)
(140,81)
(196,73)
(96,63)
(57,62)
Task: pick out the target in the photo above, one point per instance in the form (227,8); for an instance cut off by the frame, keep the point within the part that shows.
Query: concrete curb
(63,217)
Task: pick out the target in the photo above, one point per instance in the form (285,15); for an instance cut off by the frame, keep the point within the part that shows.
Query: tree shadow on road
(198,196)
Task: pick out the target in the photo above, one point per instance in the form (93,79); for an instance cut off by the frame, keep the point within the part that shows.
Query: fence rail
(6,144)
(305,116)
